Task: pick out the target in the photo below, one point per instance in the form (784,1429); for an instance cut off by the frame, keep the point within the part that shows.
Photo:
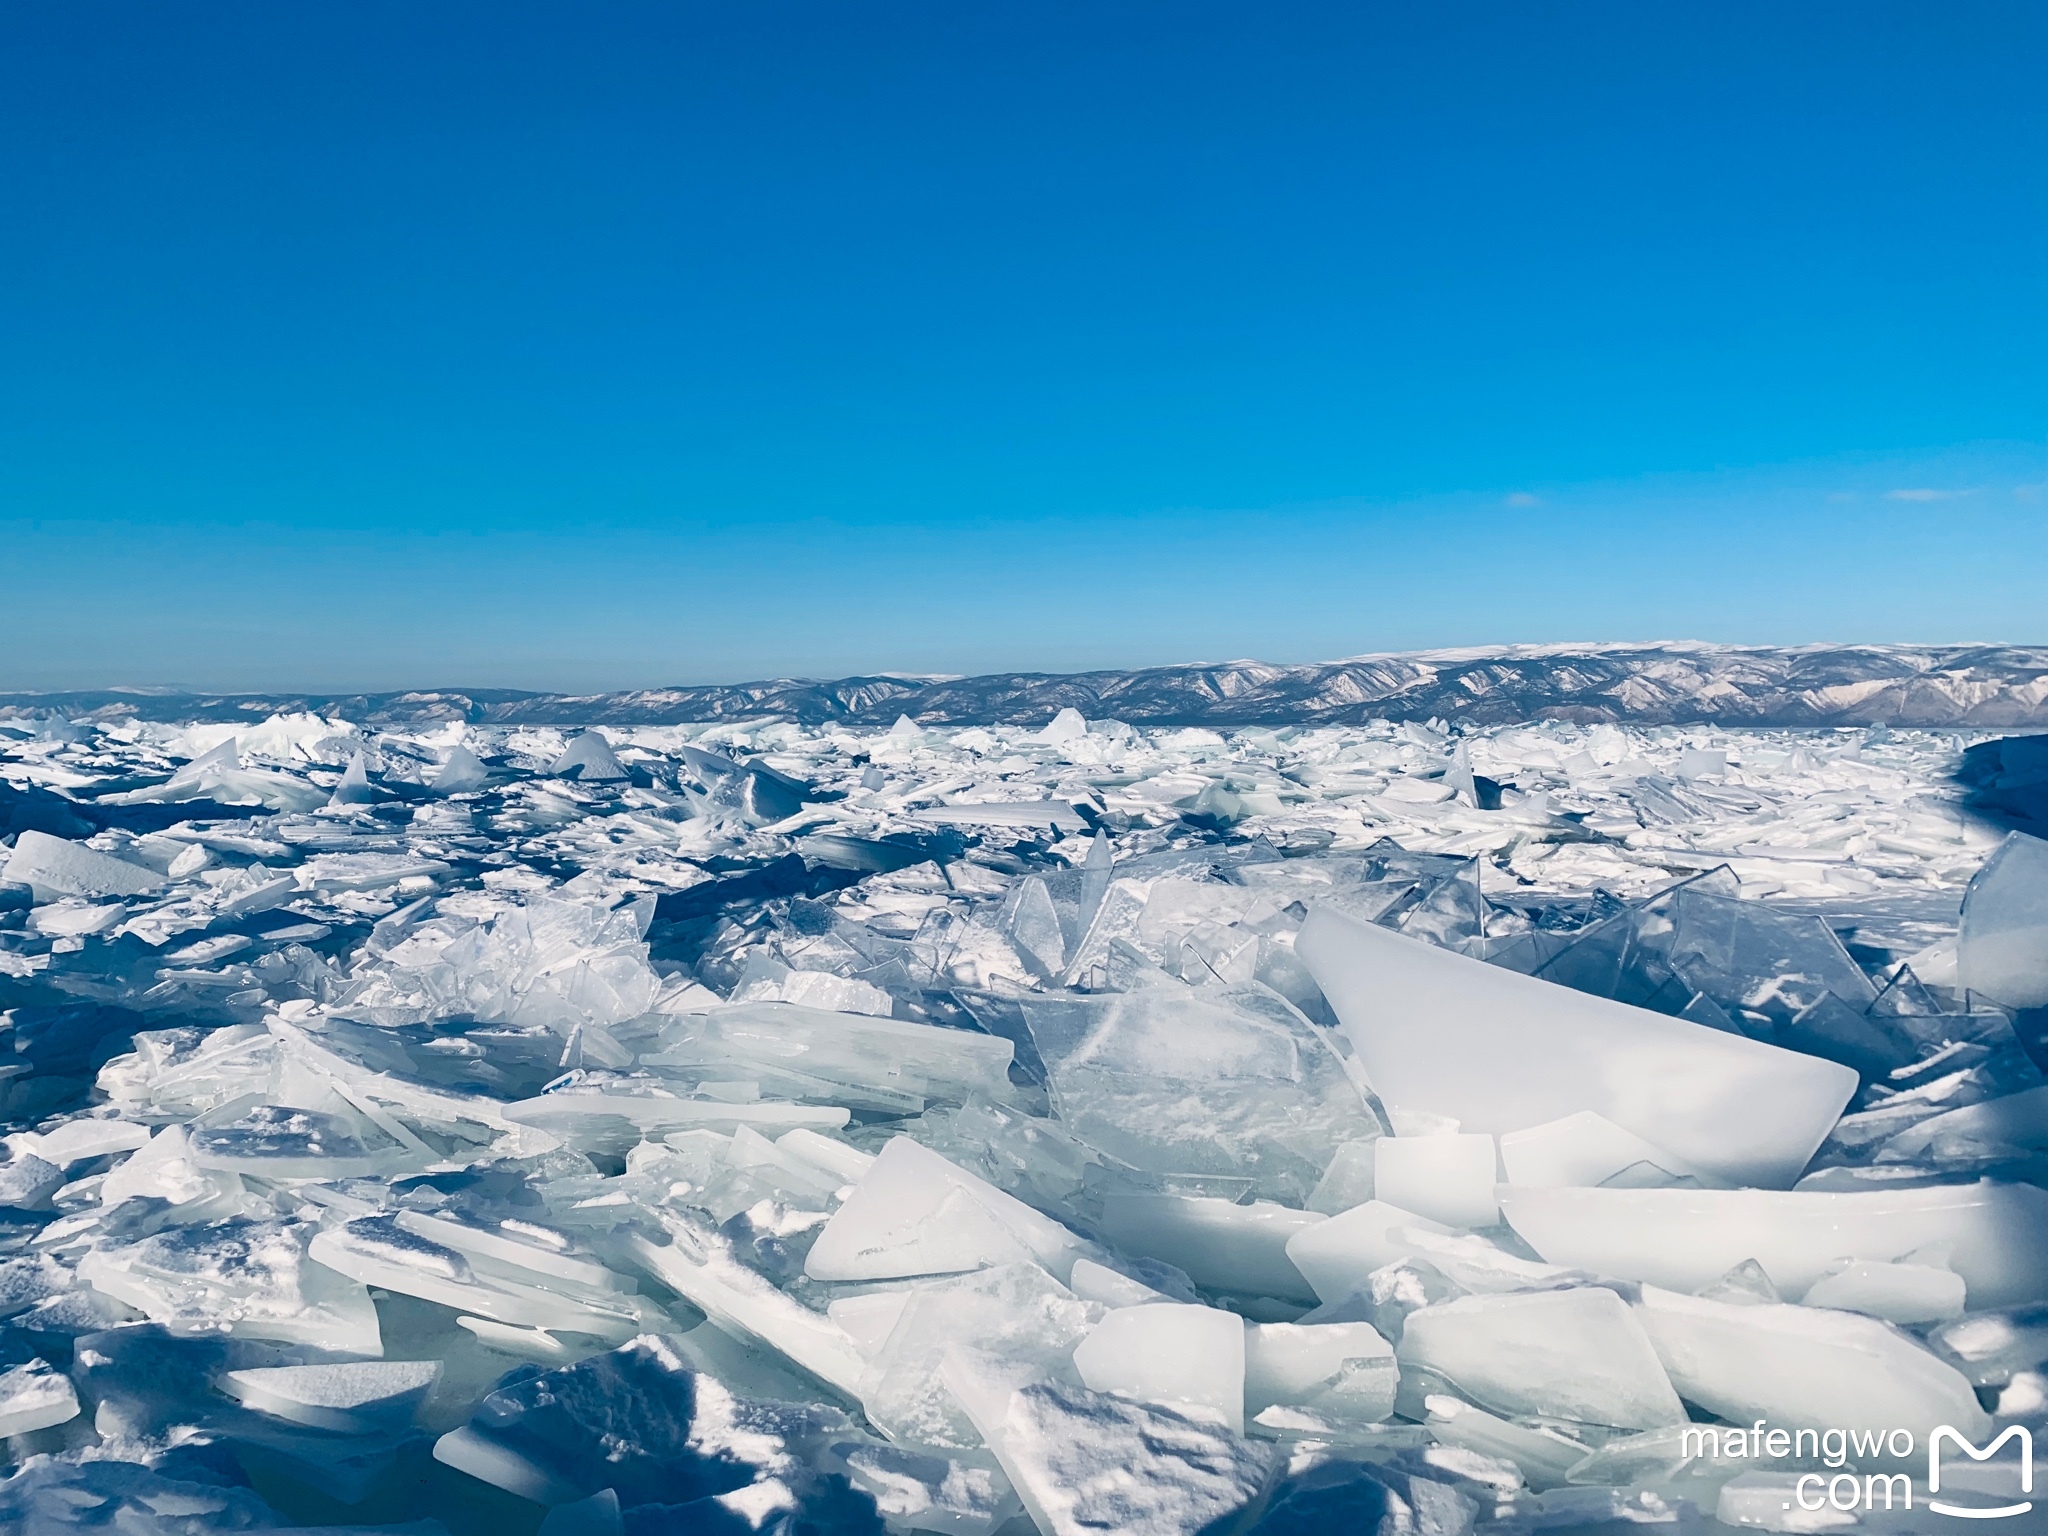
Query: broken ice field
(1389,1129)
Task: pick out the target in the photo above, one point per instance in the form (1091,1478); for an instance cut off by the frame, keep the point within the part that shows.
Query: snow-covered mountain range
(1962,686)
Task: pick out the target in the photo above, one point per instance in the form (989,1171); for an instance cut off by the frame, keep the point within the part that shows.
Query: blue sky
(379,345)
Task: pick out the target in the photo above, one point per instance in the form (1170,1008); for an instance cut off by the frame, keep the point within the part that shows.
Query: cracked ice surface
(765,1127)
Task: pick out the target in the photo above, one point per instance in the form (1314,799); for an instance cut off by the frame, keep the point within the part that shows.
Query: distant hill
(1964,686)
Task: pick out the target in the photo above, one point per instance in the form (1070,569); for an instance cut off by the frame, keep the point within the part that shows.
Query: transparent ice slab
(1015,1312)
(1573,1354)
(1342,1372)
(2002,951)
(856,1050)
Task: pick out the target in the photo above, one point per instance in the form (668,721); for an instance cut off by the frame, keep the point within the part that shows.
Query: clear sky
(347,343)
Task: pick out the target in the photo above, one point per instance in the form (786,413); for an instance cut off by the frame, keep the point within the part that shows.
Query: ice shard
(1341,1372)
(915,1213)
(1245,1249)
(32,1397)
(1575,1354)
(1014,1312)
(1422,1019)
(1801,1366)
(1995,1236)
(53,867)
(1336,1256)
(2002,950)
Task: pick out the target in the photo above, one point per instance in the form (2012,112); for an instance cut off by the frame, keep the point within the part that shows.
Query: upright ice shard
(2002,951)
(588,758)
(461,772)
(1502,1052)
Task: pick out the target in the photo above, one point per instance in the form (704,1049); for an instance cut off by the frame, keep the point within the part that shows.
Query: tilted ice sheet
(1422,1018)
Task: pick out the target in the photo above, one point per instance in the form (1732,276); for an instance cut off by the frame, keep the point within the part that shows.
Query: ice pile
(1079,1129)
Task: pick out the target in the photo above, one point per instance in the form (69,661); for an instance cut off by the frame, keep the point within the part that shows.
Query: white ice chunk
(1086,1463)
(1898,1293)
(590,757)
(1336,1256)
(1685,1239)
(1502,1052)
(1577,1354)
(1242,1249)
(27,1181)
(1186,1358)
(1067,725)
(460,772)
(915,1213)
(2002,948)
(1580,1150)
(1344,1372)
(1800,1366)
(1448,1179)
(33,1397)
(353,1396)
(52,867)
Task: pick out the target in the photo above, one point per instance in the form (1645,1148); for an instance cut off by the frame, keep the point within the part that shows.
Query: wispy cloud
(1523,499)
(1925,493)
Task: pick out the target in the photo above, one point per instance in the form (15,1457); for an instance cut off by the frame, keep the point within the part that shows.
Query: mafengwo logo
(1947,1435)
